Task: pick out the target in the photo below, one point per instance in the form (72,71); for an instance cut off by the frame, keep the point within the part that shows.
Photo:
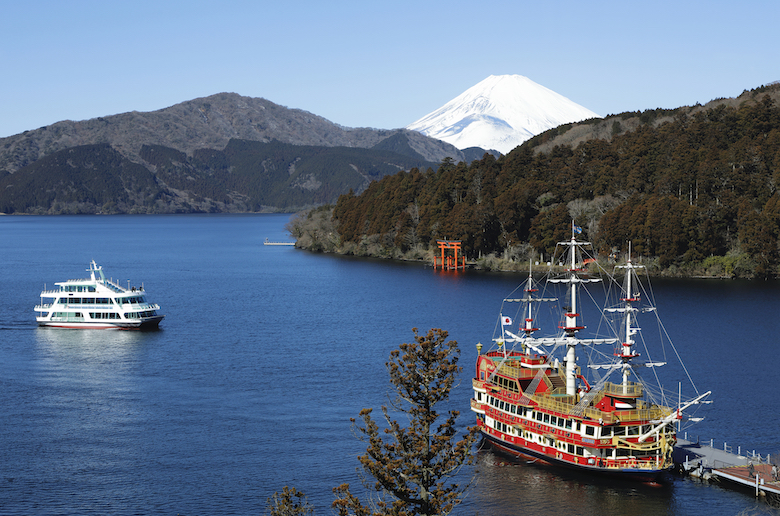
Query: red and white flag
(506,321)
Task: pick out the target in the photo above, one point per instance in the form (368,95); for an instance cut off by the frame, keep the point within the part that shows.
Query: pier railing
(740,455)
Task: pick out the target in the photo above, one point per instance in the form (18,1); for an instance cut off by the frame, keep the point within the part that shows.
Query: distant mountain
(500,113)
(201,144)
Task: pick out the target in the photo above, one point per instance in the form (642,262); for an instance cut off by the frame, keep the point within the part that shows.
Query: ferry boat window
(590,430)
(620,430)
(579,426)
(570,448)
(606,431)
(580,450)
(513,409)
(568,424)
(633,430)
(482,375)
(538,416)
(547,418)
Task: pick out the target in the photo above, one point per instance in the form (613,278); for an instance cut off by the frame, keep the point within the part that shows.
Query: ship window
(570,448)
(633,430)
(606,431)
(579,426)
(568,424)
(620,430)
(580,450)
(538,416)
(482,375)
(513,409)
(547,418)
(501,405)
(590,430)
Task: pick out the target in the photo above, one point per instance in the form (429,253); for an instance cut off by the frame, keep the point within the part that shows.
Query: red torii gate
(449,262)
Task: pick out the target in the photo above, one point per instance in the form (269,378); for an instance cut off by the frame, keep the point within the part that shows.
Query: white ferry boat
(97,303)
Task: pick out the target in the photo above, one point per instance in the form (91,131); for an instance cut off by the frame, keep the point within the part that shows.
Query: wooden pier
(277,243)
(750,471)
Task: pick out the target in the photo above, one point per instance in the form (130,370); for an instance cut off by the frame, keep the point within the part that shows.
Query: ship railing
(517,372)
(567,407)
(113,286)
(43,307)
(631,389)
(54,291)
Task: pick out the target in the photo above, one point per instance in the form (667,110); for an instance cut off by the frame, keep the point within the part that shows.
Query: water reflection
(89,349)
(509,486)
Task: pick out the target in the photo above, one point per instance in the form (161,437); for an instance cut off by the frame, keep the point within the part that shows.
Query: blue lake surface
(266,352)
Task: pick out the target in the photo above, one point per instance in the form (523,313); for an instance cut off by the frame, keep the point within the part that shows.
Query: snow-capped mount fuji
(500,113)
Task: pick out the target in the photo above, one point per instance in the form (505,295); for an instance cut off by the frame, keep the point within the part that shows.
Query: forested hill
(694,189)
(223,153)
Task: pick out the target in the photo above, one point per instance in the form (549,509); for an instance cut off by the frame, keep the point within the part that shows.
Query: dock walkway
(277,243)
(710,463)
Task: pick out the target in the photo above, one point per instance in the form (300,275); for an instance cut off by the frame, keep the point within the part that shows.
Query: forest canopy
(697,191)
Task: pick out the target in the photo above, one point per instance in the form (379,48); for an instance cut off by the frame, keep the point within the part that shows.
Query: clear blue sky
(373,64)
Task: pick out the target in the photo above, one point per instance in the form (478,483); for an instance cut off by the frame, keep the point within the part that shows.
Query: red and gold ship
(533,400)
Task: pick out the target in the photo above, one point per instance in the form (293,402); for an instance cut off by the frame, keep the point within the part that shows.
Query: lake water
(266,352)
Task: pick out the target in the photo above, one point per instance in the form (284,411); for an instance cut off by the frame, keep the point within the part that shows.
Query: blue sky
(373,64)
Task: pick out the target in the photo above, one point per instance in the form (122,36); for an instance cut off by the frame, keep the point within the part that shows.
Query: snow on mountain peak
(500,113)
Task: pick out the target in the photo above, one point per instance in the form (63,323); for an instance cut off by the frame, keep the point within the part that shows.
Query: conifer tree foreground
(412,466)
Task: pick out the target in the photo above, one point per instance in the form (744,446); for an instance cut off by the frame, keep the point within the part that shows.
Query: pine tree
(413,465)
(290,502)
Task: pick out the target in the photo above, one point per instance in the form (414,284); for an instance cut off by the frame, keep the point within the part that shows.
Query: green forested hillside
(696,194)
(246,176)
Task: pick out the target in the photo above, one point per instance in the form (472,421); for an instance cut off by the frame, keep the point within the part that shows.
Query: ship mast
(570,323)
(627,351)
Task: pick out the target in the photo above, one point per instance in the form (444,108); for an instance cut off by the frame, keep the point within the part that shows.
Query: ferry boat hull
(151,323)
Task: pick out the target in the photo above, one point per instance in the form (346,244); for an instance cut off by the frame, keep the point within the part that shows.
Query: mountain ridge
(205,122)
